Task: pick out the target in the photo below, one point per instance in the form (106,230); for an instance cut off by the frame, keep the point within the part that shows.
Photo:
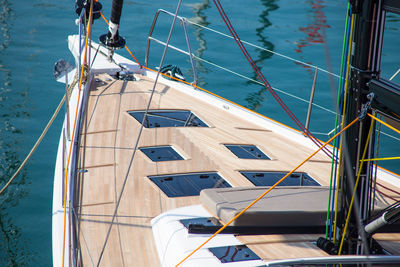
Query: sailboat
(153,170)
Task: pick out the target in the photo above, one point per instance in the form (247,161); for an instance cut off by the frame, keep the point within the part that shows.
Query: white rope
(140,133)
(394,75)
(262,48)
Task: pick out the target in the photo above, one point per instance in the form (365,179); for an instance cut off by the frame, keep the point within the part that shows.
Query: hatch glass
(189,184)
(247,152)
(270,178)
(161,153)
(168,118)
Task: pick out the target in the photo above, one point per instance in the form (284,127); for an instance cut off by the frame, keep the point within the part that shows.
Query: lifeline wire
(140,132)
(268,50)
(88,32)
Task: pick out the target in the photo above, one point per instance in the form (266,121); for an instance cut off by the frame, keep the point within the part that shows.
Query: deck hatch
(161,153)
(247,152)
(234,253)
(189,184)
(168,118)
(270,178)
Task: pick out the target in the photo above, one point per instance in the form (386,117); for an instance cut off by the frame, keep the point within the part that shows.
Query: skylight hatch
(247,152)
(188,184)
(270,178)
(168,118)
(161,153)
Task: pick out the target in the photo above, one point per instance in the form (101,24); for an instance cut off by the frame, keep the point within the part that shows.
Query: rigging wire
(344,89)
(139,134)
(329,217)
(260,83)
(267,191)
(262,78)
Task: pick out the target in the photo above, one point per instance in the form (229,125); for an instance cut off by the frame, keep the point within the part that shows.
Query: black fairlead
(85,4)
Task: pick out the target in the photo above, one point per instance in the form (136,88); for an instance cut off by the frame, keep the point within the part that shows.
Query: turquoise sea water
(33,37)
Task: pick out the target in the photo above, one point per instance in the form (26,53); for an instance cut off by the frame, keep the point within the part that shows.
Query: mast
(355,139)
(366,89)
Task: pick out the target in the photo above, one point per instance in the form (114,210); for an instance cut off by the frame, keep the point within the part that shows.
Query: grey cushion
(283,206)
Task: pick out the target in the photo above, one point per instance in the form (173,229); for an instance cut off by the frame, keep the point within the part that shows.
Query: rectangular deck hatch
(189,184)
(234,253)
(161,153)
(247,152)
(168,118)
(270,178)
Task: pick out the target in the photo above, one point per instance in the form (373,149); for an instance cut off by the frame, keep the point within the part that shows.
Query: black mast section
(364,67)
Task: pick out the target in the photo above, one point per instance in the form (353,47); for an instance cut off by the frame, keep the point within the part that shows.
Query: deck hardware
(269,178)
(161,153)
(310,103)
(198,228)
(366,107)
(233,253)
(125,75)
(112,40)
(247,152)
(83,4)
(168,118)
(188,184)
(63,68)
(183,24)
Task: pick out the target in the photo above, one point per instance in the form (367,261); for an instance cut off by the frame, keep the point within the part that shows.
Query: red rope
(263,79)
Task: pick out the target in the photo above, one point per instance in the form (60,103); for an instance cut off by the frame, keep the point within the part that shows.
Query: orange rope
(127,49)
(73,131)
(266,192)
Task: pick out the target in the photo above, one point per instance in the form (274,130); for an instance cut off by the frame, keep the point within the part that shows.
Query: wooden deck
(107,140)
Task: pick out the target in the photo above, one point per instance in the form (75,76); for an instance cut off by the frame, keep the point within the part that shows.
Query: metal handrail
(189,53)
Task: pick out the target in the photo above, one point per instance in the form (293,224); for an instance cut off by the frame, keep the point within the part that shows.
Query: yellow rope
(266,192)
(344,113)
(384,123)
(73,130)
(355,188)
(378,159)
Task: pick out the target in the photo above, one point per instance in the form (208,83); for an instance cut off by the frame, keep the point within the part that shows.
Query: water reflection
(314,30)
(200,18)
(315,33)
(13,251)
(254,100)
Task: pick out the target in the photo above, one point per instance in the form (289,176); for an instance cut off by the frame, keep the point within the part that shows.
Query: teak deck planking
(107,140)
